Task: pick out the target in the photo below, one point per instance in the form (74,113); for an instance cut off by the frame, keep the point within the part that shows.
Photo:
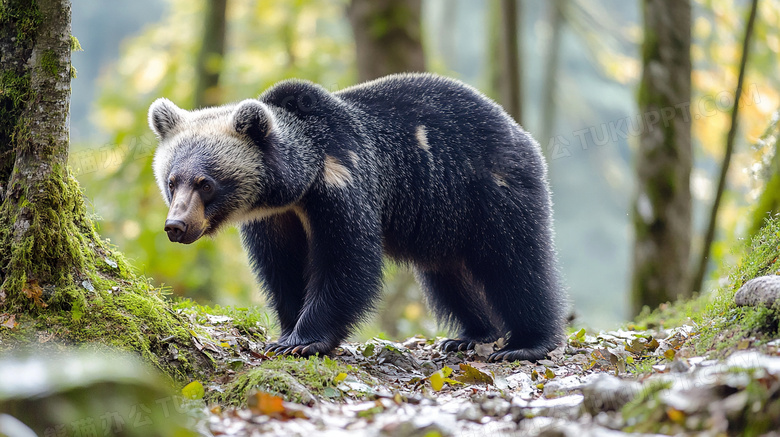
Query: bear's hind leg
(457,300)
(521,286)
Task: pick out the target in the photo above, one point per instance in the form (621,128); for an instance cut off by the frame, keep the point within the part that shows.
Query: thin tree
(57,277)
(551,67)
(709,235)
(388,36)
(212,51)
(662,205)
(511,74)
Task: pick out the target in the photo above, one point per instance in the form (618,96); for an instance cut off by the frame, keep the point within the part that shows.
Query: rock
(471,412)
(495,407)
(608,393)
(764,290)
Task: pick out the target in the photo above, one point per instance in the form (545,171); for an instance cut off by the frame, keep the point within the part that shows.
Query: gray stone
(608,393)
(764,290)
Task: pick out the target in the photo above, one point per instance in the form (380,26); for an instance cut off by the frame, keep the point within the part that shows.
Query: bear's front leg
(345,269)
(278,249)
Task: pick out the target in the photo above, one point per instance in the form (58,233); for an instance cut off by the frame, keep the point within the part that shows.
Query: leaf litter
(608,383)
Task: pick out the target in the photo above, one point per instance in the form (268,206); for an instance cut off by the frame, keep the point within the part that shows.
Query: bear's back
(447,152)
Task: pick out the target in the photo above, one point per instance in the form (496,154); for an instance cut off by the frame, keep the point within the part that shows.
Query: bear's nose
(175,229)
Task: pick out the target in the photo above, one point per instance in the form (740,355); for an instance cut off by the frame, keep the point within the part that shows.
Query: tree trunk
(58,279)
(388,37)
(712,224)
(662,207)
(211,54)
(37,242)
(511,75)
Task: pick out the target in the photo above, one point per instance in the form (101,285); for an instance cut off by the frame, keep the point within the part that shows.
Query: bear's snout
(175,230)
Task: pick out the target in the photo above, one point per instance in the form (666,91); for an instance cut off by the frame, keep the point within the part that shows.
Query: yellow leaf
(437,380)
(549,374)
(669,354)
(473,375)
(340,377)
(675,415)
(193,390)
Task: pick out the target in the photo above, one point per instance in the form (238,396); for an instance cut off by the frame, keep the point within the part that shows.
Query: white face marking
(499,180)
(422,138)
(336,174)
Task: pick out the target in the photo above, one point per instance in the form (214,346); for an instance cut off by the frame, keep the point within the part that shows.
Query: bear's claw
(298,350)
(509,354)
(456,344)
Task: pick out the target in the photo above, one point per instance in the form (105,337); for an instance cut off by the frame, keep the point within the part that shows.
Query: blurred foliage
(88,392)
(718,29)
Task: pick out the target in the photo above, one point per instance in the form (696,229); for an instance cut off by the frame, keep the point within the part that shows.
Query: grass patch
(721,326)
(294,379)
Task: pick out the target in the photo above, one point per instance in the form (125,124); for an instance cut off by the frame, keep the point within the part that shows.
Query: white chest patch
(422,138)
(335,173)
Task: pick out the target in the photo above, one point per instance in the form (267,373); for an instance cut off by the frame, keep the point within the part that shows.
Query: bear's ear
(253,119)
(164,116)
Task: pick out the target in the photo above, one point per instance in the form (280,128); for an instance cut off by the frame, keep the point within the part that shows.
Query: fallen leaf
(669,354)
(437,380)
(439,377)
(473,375)
(265,403)
(10,323)
(193,390)
(34,291)
(340,377)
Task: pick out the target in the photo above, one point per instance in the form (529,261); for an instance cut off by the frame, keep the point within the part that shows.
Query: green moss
(720,324)
(75,45)
(83,298)
(284,377)
(26,19)
(50,63)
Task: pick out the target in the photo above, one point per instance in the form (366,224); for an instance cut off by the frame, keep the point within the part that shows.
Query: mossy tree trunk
(58,279)
(41,239)
(662,207)
(388,36)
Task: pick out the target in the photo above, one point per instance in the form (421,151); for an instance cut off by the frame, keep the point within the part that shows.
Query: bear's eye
(206,187)
(170,185)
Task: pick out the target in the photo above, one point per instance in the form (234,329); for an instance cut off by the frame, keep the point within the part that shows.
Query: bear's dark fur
(420,167)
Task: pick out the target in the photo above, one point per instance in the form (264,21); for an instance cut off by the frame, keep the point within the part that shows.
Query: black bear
(419,167)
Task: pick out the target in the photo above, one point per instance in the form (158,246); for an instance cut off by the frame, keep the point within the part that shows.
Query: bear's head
(209,165)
